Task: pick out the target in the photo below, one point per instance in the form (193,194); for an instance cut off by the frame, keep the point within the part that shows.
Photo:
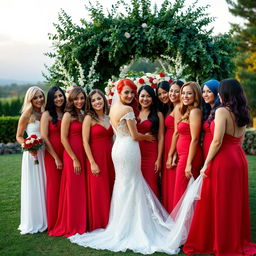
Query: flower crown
(148,79)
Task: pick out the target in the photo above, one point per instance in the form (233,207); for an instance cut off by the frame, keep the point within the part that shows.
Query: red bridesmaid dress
(149,151)
(53,175)
(72,201)
(168,175)
(183,144)
(221,223)
(207,138)
(99,188)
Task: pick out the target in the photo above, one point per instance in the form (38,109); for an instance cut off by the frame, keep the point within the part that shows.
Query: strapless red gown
(149,151)
(207,138)
(221,223)
(72,201)
(53,175)
(183,144)
(99,188)
(168,175)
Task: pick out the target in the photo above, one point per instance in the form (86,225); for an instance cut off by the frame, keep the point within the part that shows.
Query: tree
(96,50)
(245,36)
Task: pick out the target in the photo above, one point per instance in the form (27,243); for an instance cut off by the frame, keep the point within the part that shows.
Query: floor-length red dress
(72,201)
(168,175)
(183,144)
(99,188)
(207,138)
(221,223)
(149,152)
(53,175)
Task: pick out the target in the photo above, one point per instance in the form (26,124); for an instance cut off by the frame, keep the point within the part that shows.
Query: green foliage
(245,36)
(249,144)
(8,128)
(139,31)
(10,106)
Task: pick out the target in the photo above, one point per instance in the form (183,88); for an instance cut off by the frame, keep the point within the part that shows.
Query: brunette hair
(165,85)
(153,115)
(70,104)
(89,109)
(50,107)
(184,109)
(232,96)
(128,82)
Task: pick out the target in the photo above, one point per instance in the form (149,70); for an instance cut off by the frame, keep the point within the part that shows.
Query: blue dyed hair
(208,112)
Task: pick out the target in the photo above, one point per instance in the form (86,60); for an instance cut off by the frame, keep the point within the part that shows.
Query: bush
(249,144)
(8,128)
(10,106)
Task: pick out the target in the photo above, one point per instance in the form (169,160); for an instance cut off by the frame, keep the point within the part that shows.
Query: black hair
(164,108)
(232,96)
(153,115)
(50,107)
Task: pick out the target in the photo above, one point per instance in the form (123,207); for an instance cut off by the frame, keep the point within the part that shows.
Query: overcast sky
(25,24)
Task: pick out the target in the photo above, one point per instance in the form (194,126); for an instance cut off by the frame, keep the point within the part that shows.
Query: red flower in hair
(141,81)
(162,74)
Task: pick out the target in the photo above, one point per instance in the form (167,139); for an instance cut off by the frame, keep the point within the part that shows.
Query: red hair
(128,82)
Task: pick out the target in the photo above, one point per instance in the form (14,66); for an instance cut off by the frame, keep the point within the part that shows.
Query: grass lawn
(14,244)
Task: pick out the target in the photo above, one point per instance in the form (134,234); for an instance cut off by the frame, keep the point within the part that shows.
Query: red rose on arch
(151,79)
(153,86)
(141,81)
(162,74)
(110,101)
(170,81)
(111,93)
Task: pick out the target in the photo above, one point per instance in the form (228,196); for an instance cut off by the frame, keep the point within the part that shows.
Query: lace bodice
(122,129)
(33,128)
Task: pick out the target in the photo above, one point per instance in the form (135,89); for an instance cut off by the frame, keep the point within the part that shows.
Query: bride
(137,219)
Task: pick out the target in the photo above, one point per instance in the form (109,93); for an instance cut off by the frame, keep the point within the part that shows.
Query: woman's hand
(58,163)
(157,166)
(188,172)
(149,137)
(174,160)
(169,162)
(202,171)
(77,166)
(95,169)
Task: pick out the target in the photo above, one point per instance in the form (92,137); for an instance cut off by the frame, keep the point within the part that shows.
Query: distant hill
(18,82)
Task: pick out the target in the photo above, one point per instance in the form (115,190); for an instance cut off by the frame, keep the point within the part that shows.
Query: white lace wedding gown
(33,209)
(137,220)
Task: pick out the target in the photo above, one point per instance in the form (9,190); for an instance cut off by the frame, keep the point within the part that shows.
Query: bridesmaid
(53,158)
(98,140)
(72,201)
(188,148)
(169,172)
(33,210)
(151,121)
(162,92)
(209,106)
(221,223)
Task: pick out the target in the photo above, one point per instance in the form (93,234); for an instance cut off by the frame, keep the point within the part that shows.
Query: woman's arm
(66,120)
(195,123)
(220,122)
(44,126)
(160,139)
(23,122)
(171,158)
(86,137)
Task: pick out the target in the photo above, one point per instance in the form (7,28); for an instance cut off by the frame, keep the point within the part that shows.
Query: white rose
(127,35)
(155,81)
(144,25)
(106,90)
(28,142)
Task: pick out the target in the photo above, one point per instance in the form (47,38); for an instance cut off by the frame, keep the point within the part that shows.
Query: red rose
(40,141)
(153,86)
(151,79)
(36,142)
(170,81)
(162,74)
(29,145)
(33,136)
(111,93)
(110,101)
(141,81)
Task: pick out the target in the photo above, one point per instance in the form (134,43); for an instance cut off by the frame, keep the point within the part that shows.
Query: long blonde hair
(185,110)
(27,104)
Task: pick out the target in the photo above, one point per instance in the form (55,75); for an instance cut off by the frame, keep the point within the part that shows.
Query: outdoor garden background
(140,39)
